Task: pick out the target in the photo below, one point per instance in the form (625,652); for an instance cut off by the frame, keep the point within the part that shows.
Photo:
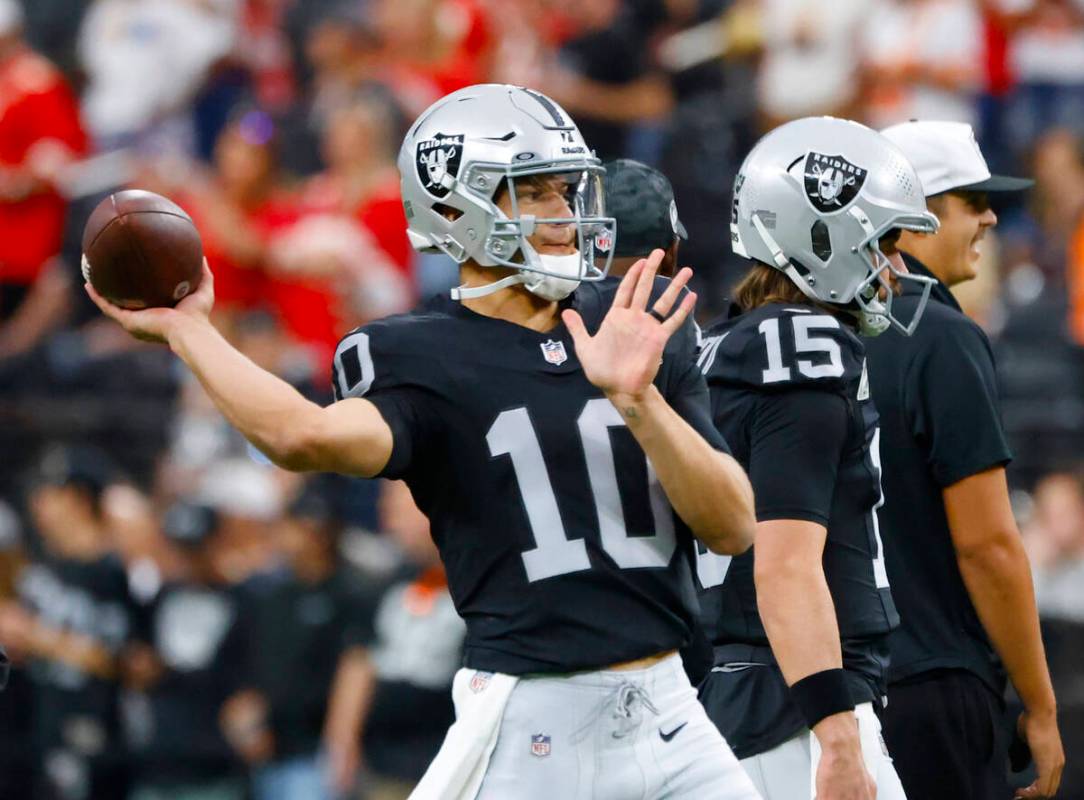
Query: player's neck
(513,304)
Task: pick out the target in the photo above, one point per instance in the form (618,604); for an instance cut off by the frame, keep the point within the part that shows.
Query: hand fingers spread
(666,301)
(646,281)
(574,322)
(624,289)
(677,319)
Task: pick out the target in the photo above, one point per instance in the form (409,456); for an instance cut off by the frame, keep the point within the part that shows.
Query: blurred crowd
(189,622)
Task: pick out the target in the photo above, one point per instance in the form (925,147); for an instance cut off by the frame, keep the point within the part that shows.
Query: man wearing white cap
(958,571)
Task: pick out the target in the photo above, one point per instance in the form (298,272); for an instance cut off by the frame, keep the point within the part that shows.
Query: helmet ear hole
(821,240)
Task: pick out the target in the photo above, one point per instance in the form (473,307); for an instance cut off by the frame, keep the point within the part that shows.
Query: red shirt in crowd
(37,110)
(240,285)
(311,308)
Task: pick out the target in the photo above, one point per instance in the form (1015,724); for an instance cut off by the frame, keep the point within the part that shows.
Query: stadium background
(186,621)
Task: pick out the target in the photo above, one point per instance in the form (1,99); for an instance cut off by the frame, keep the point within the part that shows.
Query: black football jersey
(790,394)
(561,549)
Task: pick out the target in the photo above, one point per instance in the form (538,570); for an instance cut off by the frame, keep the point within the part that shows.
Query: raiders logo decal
(832,182)
(438,162)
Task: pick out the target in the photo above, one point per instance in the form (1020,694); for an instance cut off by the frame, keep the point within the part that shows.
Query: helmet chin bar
(868,295)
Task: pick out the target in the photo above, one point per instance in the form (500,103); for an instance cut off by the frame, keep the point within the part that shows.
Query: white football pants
(611,735)
(788,771)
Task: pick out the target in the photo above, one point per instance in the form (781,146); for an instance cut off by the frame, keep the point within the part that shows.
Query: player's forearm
(798,615)
(998,579)
(264,408)
(708,489)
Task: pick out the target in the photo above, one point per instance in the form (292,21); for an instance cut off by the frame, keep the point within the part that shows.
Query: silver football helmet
(473,142)
(814,197)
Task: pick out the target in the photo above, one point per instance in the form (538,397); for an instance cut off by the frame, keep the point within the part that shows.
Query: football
(141,250)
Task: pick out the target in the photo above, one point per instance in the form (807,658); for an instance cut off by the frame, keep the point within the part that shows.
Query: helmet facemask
(874,296)
(507,244)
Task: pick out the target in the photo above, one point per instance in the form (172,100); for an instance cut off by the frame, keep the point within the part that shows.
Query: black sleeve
(952,403)
(686,389)
(691,400)
(411,419)
(796,441)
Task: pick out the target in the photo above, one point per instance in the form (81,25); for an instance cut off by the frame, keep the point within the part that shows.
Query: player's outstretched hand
(623,356)
(154,324)
(1040,731)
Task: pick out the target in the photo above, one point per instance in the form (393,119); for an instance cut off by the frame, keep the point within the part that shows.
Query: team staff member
(641,200)
(955,561)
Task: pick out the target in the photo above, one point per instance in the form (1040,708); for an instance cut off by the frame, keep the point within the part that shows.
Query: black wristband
(821,695)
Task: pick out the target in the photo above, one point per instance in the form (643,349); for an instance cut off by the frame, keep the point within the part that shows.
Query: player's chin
(558,250)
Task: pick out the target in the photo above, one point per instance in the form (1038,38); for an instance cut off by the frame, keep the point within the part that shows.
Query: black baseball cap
(641,199)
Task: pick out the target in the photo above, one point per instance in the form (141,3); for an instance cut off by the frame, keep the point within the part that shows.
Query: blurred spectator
(73,618)
(428,48)
(144,59)
(606,78)
(391,701)
(40,135)
(340,50)
(189,658)
(18,758)
(360,146)
(247,498)
(1055,540)
(1046,56)
(299,625)
(237,207)
(264,49)
(804,38)
(1041,369)
(923,60)
(1054,536)
(346,260)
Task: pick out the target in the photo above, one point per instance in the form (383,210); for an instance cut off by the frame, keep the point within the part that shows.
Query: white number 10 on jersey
(513,434)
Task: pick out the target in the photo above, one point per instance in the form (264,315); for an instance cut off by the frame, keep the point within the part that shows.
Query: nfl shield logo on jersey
(554,352)
(479,681)
(540,745)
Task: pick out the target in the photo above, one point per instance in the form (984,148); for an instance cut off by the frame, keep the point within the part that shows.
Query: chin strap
(465,292)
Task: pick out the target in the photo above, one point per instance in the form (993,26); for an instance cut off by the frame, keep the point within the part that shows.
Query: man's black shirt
(561,549)
(91,599)
(937,396)
(789,393)
(199,634)
(297,632)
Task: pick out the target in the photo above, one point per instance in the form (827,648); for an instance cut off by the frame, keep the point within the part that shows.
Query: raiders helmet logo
(832,182)
(438,162)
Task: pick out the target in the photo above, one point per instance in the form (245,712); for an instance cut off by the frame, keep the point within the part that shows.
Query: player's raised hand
(154,324)
(624,355)
(1040,731)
